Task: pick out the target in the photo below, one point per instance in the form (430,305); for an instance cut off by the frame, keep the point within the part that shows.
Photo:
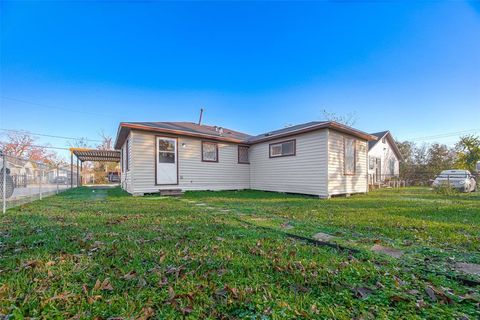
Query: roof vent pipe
(201,115)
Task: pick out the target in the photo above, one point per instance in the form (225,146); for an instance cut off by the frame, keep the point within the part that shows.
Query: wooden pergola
(83,155)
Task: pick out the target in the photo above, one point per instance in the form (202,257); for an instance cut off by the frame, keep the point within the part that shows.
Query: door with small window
(166,161)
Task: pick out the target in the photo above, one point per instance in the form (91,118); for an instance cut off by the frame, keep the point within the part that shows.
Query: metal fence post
(4,188)
(40,184)
(56,179)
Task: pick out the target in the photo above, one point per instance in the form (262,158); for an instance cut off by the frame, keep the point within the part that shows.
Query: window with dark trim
(127,166)
(209,151)
(243,154)
(282,149)
(349,155)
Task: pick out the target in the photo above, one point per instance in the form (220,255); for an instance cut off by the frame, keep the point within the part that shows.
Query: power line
(445,135)
(49,147)
(48,135)
(54,107)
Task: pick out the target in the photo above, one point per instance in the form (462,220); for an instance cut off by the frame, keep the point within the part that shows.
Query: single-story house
(320,158)
(383,157)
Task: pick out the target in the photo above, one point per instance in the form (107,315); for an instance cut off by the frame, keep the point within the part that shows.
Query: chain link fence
(23,180)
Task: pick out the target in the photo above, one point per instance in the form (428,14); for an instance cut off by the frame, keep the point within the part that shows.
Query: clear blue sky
(412,68)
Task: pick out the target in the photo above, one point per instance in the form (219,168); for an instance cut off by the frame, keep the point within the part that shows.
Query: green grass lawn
(100,254)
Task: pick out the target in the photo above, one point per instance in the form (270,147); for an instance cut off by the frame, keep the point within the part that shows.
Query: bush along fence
(23,180)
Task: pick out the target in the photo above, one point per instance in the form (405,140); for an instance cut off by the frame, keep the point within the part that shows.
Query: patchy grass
(105,254)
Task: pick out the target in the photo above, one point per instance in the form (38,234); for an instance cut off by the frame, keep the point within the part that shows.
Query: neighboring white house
(316,158)
(383,157)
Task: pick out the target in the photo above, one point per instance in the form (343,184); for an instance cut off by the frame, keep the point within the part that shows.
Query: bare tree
(80,143)
(107,142)
(348,119)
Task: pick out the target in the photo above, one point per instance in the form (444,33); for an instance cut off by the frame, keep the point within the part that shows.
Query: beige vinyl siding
(305,172)
(193,174)
(338,182)
(126,176)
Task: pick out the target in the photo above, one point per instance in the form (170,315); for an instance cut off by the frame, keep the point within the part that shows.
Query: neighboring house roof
(387,134)
(214,132)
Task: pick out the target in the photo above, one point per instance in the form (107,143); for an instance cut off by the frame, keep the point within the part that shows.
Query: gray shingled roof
(195,128)
(379,135)
(213,132)
(285,130)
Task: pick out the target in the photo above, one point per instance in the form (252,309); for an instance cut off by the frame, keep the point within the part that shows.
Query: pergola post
(83,154)
(71,169)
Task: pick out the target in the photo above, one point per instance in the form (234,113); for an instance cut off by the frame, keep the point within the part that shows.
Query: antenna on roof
(201,114)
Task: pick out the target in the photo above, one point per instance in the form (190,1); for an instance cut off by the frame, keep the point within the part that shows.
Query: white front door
(166,161)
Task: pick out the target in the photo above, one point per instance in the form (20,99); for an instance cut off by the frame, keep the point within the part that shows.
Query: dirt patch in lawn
(395,253)
(468,268)
(323,236)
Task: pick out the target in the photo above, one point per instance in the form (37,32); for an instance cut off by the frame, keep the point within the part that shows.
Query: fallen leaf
(362,292)
(163,282)
(97,285)
(104,285)
(420,304)
(398,282)
(93,299)
(171,292)
(162,257)
(431,293)
(146,313)
(61,296)
(396,298)
(130,275)
(31,264)
(186,310)
(85,289)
